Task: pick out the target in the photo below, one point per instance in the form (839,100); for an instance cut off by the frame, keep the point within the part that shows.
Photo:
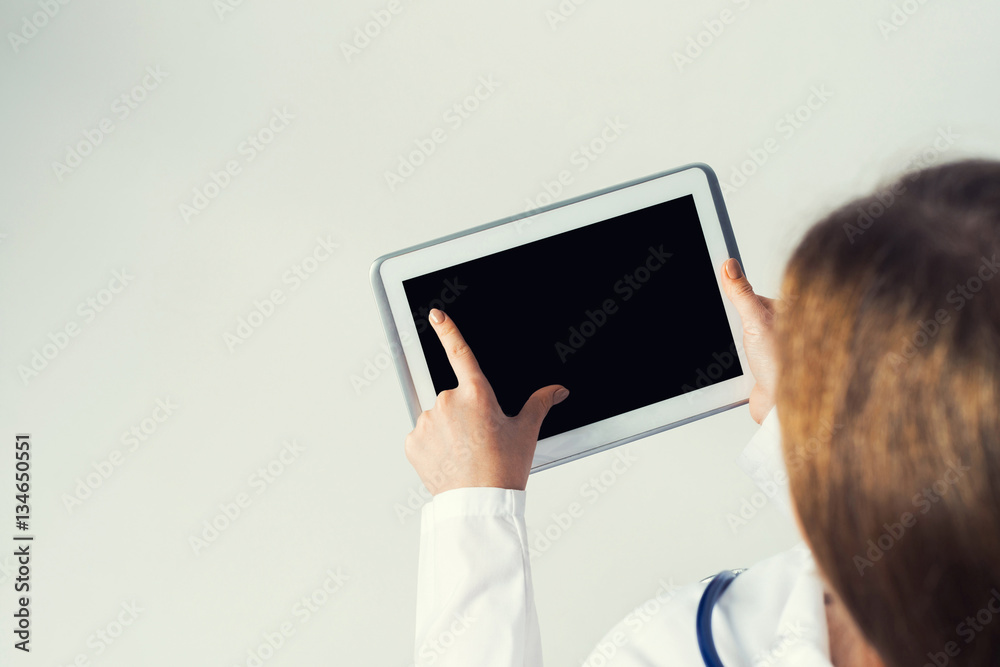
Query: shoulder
(772,614)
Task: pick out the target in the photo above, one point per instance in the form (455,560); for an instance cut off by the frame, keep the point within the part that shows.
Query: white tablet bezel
(389,272)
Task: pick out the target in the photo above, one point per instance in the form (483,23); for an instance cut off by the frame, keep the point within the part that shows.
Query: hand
(466,440)
(757,315)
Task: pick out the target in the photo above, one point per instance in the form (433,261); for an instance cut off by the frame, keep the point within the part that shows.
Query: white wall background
(334,507)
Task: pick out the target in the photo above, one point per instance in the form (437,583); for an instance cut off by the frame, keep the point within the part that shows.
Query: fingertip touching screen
(625,313)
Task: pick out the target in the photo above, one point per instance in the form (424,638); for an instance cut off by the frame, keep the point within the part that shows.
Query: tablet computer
(616,295)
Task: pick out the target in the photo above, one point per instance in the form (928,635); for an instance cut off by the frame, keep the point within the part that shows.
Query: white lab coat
(476,607)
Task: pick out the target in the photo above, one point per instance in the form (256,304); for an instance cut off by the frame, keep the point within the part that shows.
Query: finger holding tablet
(757,315)
(466,440)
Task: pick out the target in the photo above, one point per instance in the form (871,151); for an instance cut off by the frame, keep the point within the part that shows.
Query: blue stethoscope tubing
(703,622)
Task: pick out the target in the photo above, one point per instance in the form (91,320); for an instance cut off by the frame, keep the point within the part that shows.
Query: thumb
(539,403)
(739,291)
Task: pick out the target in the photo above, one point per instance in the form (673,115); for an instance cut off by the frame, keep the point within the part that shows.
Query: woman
(890,330)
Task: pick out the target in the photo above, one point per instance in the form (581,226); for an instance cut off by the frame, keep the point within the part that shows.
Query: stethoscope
(703,622)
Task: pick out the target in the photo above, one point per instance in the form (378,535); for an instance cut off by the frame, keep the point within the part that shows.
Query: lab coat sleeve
(475,603)
(763,462)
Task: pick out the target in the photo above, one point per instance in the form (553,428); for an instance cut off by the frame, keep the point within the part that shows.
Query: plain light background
(337,505)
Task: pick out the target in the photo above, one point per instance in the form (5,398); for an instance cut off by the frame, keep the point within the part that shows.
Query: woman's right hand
(757,314)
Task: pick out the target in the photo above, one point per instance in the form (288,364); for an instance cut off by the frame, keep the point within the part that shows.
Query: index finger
(463,362)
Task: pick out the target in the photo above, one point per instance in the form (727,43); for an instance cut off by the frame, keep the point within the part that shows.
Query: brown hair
(891,333)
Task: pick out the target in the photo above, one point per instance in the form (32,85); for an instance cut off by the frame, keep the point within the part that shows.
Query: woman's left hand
(757,314)
(466,440)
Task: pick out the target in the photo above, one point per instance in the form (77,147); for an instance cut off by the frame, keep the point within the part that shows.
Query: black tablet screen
(624,313)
